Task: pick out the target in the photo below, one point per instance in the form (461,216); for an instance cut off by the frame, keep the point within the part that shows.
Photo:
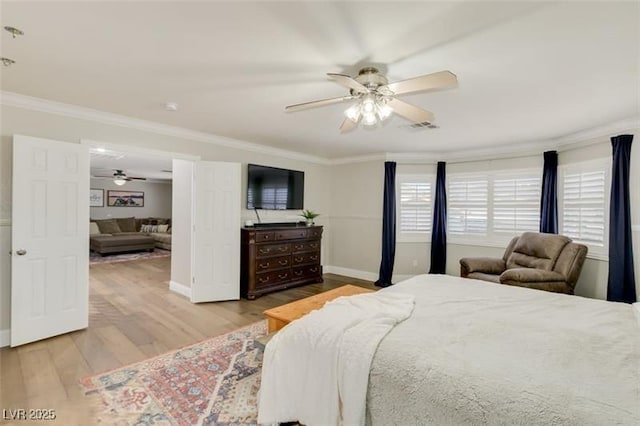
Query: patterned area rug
(214,382)
(96,259)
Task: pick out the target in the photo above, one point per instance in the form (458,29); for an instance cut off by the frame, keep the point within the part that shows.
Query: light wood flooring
(132,316)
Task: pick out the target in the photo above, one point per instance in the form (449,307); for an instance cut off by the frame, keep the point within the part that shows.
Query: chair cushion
(536,250)
(108,226)
(93,229)
(127,224)
(485,277)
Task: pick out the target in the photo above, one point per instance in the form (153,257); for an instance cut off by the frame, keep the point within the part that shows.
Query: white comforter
(316,369)
(474,352)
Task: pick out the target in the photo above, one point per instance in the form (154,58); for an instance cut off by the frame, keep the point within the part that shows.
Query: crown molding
(564,143)
(18,100)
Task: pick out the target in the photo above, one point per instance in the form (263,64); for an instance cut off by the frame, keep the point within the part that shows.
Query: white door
(50,239)
(216,232)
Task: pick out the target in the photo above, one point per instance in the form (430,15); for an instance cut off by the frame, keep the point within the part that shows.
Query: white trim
(180,289)
(5,337)
(522,149)
(5,222)
(17,100)
(635,228)
(133,149)
(348,272)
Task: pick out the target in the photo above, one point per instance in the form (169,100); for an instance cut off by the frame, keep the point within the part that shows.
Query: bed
(474,352)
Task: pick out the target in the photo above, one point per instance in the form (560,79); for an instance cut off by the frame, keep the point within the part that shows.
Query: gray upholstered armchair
(542,261)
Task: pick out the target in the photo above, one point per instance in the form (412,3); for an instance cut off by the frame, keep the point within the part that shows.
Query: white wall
(67,128)
(157,199)
(182,222)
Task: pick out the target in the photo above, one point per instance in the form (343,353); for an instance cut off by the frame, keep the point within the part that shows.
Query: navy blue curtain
(622,283)
(388,225)
(439,228)
(549,196)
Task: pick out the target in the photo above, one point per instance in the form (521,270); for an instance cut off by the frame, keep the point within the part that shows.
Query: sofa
(535,260)
(129,234)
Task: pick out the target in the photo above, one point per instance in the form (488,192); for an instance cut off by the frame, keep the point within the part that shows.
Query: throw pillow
(127,224)
(149,228)
(163,228)
(108,226)
(93,229)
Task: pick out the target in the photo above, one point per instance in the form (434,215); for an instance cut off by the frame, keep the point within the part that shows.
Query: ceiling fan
(376,98)
(120,177)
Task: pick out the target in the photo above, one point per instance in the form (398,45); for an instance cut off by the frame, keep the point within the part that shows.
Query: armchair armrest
(486,265)
(530,275)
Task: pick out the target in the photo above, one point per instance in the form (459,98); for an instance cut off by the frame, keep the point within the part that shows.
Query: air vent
(422,125)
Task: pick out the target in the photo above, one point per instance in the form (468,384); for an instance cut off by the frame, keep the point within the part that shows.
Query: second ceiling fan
(376,98)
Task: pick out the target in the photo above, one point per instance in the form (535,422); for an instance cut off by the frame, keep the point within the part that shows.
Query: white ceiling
(105,161)
(528,71)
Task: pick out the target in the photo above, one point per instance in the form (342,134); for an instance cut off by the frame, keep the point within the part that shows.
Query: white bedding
(316,369)
(474,352)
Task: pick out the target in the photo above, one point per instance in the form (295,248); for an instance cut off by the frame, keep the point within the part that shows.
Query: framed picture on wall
(96,197)
(125,198)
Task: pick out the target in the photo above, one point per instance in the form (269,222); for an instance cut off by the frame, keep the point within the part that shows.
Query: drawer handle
(314,258)
(314,245)
(283,262)
(283,276)
(264,280)
(299,247)
(298,259)
(298,273)
(314,269)
(264,251)
(264,265)
(283,249)
(265,237)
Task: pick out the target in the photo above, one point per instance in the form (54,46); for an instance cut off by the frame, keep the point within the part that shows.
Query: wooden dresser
(275,258)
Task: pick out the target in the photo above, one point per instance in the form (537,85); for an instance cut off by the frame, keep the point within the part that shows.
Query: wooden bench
(280,316)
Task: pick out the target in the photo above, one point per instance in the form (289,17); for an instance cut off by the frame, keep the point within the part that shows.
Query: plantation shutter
(468,198)
(583,206)
(516,204)
(415,207)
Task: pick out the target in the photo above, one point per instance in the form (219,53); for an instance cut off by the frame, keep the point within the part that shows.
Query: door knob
(21,252)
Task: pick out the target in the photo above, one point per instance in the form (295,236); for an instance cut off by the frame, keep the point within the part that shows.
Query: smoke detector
(171,106)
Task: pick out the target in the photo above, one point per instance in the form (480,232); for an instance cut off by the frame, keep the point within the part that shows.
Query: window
(414,193)
(584,204)
(516,203)
(468,205)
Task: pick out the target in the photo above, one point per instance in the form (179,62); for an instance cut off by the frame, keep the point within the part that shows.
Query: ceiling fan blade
(315,104)
(348,125)
(410,112)
(436,81)
(347,81)
(136,178)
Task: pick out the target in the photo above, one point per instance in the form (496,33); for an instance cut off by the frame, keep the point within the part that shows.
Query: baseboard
(180,289)
(5,338)
(348,272)
(362,275)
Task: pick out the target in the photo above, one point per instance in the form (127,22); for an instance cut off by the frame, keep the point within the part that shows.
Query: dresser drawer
(304,258)
(314,233)
(270,263)
(262,237)
(266,250)
(305,246)
(265,279)
(290,234)
(305,271)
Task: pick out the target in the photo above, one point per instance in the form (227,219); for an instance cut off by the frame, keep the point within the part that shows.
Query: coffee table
(280,316)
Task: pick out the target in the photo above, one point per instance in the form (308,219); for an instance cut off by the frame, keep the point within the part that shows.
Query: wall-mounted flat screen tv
(270,188)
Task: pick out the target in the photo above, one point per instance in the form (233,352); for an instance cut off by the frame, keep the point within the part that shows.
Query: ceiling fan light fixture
(370,119)
(384,111)
(353,113)
(119,181)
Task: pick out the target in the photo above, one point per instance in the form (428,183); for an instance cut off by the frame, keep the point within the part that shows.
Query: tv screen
(270,188)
